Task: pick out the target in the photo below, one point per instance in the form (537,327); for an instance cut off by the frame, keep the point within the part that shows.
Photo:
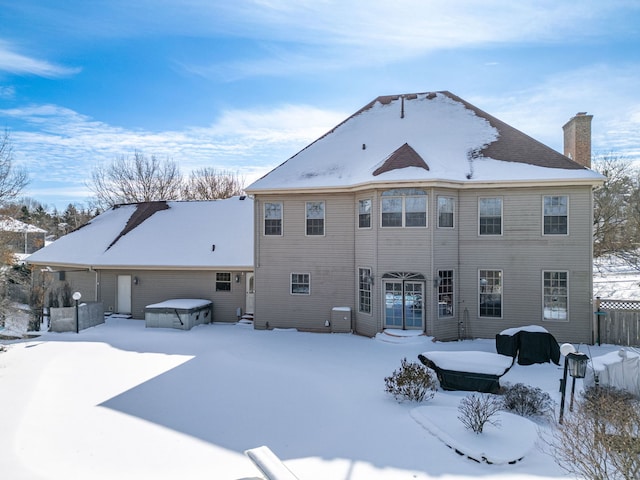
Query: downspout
(97,284)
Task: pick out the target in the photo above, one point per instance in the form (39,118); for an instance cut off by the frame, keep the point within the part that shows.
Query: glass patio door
(404,304)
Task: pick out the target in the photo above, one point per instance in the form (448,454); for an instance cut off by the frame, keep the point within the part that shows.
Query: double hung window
(300,284)
(490,216)
(223,281)
(446,208)
(364,213)
(273,218)
(315,218)
(556,213)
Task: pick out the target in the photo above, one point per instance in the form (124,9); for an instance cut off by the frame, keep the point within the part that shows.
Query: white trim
(453,199)
(291,283)
(543,216)
(324,218)
(492,235)
(370,213)
(543,295)
(501,293)
(264,219)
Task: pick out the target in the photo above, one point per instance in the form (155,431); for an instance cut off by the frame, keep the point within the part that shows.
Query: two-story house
(423,212)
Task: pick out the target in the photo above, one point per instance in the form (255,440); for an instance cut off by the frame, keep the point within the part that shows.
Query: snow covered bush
(412,381)
(476,410)
(526,401)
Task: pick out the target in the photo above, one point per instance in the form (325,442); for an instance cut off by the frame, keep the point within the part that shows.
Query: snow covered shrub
(476,410)
(412,381)
(526,401)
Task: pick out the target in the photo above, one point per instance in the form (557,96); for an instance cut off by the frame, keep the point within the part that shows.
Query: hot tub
(181,313)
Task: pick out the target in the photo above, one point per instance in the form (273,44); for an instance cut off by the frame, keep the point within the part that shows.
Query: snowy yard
(122,401)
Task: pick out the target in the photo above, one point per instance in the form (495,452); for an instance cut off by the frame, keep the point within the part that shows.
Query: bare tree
(210,184)
(616,210)
(135,179)
(12,180)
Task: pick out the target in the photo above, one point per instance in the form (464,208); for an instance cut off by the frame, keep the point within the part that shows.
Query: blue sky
(243,85)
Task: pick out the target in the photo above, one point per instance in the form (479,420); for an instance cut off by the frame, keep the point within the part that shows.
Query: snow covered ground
(123,401)
(613,278)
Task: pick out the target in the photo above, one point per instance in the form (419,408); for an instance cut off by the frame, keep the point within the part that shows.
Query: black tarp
(529,347)
(466,381)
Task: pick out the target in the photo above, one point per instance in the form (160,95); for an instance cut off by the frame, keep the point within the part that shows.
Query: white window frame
(264,219)
(544,215)
(480,199)
(452,293)
(452,201)
(298,282)
(402,195)
(365,280)
(360,203)
(307,218)
(549,293)
(481,292)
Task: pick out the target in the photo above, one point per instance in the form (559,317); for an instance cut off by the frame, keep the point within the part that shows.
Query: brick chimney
(577,139)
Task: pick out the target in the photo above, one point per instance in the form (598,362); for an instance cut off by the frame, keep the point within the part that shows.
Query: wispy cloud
(7,92)
(608,93)
(17,63)
(299,37)
(63,146)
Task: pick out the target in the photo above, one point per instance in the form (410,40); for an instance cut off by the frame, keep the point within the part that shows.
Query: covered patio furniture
(468,370)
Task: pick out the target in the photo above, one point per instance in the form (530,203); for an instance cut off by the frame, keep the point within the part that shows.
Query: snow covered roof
(8,224)
(160,235)
(425,137)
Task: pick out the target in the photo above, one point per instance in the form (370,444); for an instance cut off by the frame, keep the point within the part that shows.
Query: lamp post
(77,296)
(575,363)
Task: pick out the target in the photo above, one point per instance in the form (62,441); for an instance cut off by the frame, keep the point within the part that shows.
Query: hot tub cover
(181,303)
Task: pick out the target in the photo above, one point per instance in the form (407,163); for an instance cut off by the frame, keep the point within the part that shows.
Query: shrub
(412,381)
(476,410)
(600,439)
(526,401)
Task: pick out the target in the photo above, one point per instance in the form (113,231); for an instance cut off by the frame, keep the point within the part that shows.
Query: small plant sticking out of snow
(412,381)
(476,410)
(527,401)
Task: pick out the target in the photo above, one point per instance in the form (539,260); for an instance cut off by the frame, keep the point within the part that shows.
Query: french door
(403,304)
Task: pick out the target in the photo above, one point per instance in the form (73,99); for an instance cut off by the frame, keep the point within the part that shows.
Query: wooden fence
(617,322)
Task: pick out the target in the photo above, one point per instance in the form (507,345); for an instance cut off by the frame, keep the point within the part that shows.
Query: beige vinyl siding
(366,256)
(523,253)
(445,257)
(83,282)
(328,259)
(157,286)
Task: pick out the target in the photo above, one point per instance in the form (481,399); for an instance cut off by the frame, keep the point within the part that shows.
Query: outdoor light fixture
(135,280)
(77,296)
(237,278)
(575,363)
